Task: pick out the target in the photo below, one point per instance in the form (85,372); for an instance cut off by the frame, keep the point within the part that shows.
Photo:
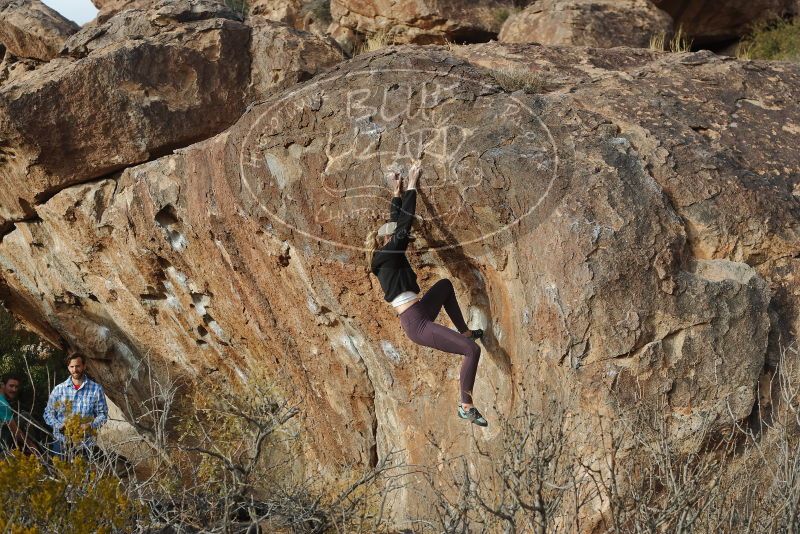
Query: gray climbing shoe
(472,415)
(477,334)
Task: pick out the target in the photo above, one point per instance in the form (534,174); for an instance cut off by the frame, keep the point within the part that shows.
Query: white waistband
(403,297)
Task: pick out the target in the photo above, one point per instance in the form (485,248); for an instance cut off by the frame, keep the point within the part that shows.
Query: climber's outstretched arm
(394,209)
(405,215)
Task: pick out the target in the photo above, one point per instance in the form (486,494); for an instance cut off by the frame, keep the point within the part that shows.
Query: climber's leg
(443,294)
(423,331)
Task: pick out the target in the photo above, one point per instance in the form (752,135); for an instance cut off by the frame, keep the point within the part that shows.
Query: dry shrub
(65,495)
(678,42)
(375,41)
(231,463)
(514,79)
(555,472)
(658,42)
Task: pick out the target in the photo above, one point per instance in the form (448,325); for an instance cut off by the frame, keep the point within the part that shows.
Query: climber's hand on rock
(413,174)
(397,182)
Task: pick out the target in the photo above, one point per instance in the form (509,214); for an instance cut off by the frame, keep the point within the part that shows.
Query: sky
(81,11)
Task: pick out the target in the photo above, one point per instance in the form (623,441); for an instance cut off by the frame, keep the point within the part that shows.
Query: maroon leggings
(418,323)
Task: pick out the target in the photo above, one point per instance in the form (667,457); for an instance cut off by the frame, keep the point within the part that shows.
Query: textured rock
(711,21)
(307,15)
(30,29)
(601,23)
(349,40)
(11,67)
(109,8)
(283,56)
(135,87)
(421,21)
(123,100)
(640,264)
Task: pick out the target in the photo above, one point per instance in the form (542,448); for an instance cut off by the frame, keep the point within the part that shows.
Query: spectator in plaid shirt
(84,395)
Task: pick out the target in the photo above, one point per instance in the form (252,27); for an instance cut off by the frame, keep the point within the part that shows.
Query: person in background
(9,391)
(77,396)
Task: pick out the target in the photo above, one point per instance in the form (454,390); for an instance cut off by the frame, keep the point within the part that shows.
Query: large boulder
(622,253)
(282,56)
(12,67)
(137,86)
(109,8)
(133,90)
(30,29)
(307,15)
(601,23)
(713,21)
(421,21)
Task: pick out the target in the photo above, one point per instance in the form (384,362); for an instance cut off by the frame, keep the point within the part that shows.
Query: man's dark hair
(76,356)
(11,376)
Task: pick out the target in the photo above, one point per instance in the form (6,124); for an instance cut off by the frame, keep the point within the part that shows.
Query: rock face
(30,29)
(12,67)
(713,21)
(132,91)
(600,23)
(136,86)
(307,15)
(282,56)
(626,253)
(421,21)
(109,8)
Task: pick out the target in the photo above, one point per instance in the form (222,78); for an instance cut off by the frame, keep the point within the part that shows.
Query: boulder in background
(422,21)
(600,23)
(31,29)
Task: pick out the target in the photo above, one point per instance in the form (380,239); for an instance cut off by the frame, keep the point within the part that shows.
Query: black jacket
(389,263)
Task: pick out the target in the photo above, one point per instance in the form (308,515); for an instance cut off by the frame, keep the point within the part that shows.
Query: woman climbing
(386,255)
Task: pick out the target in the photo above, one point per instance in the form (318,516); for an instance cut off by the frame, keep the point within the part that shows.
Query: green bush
(501,15)
(775,41)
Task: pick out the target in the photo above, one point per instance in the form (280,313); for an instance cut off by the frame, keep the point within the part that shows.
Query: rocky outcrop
(12,67)
(30,29)
(109,8)
(135,87)
(713,21)
(282,56)
(421,21)
(132,91)
(624,253)
(600,23)
(307,15)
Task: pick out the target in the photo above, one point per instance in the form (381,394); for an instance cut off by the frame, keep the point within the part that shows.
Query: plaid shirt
(87,401)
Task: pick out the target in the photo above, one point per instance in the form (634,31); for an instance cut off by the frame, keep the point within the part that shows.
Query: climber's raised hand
(414,173)
(394,178)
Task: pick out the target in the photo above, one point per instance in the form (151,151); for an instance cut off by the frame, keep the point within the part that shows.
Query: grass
(679,42)
(512,80)
(658,41)
(237,6)
(376,41)
(773,41)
